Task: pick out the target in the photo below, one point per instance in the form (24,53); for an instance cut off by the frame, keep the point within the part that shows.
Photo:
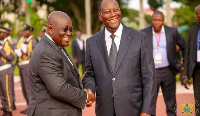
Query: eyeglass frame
(65,29)
(70,29)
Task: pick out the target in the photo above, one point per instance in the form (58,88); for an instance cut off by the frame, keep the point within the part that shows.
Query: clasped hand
(91,97)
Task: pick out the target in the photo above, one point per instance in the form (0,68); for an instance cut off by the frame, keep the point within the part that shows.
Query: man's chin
(66,44)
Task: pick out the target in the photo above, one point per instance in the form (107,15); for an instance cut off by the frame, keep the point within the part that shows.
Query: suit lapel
(168,38)
(54,46)
(150,32)
(102,47)
(124,45)
(195,37)
(77,44)
(73,68)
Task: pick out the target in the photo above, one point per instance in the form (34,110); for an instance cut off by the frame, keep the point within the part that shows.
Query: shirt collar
(162,30)
(3,41)
(78,39)
(118,33)
(49,37)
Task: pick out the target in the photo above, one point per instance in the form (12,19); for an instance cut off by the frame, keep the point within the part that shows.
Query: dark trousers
(6,94)
(196,87)
(24,76)
(166,80)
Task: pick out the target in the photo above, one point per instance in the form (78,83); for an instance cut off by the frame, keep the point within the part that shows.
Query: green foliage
(185,15)
(148,19)
(155,4)
(29,1)
(131,18)
(37,23)
(16,71)
(76,10)
(5,21)
(183,19)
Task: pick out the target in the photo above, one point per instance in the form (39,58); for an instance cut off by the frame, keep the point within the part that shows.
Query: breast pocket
(132,55)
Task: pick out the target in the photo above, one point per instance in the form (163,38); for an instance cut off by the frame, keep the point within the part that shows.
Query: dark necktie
(113,53)
(63,51)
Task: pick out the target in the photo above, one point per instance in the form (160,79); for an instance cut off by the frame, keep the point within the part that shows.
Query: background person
(78,51)
(192,61)
(163,41)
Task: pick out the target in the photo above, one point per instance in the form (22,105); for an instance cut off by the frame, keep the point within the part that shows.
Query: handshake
(91,97)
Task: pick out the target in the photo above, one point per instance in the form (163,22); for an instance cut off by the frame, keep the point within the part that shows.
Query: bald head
(59,28)
(57,17)
(197,14)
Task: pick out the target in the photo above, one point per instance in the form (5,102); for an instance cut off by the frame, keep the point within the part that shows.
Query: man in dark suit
(163,40)
(78,51)
(120,68)
(54,80)
(192,60)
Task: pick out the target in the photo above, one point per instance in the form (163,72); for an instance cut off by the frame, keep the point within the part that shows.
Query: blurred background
(136,14)
(15,14)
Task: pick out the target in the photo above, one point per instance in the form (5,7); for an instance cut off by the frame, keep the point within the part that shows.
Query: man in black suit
(163,41)
(120,68)
(78,51)
(192,60)
(54,80)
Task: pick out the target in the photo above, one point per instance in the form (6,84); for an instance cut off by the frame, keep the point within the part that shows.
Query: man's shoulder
(194,27)
(95,36)
(74,41)
(135,32)
(169,28)
(147,29)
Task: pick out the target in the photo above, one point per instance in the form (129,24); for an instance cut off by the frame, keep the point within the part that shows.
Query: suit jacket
(77,52)
(131,89)
(55,84)
(173,38)
(191,51)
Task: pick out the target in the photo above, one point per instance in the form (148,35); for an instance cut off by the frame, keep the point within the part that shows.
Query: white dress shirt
(80,43)
(117,39)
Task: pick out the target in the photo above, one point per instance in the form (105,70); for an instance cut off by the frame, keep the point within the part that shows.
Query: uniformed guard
(24,50)
(7,55)
(41,33)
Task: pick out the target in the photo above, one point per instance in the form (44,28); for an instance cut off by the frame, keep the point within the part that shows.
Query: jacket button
(113,79)
(112,96)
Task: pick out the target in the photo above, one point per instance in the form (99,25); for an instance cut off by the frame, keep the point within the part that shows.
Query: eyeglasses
(65,29)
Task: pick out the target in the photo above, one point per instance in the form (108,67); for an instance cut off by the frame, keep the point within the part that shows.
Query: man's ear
(99,15)
(49,29)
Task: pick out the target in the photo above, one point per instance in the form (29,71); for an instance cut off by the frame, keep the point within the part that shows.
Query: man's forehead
(108,2)
(157,16)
